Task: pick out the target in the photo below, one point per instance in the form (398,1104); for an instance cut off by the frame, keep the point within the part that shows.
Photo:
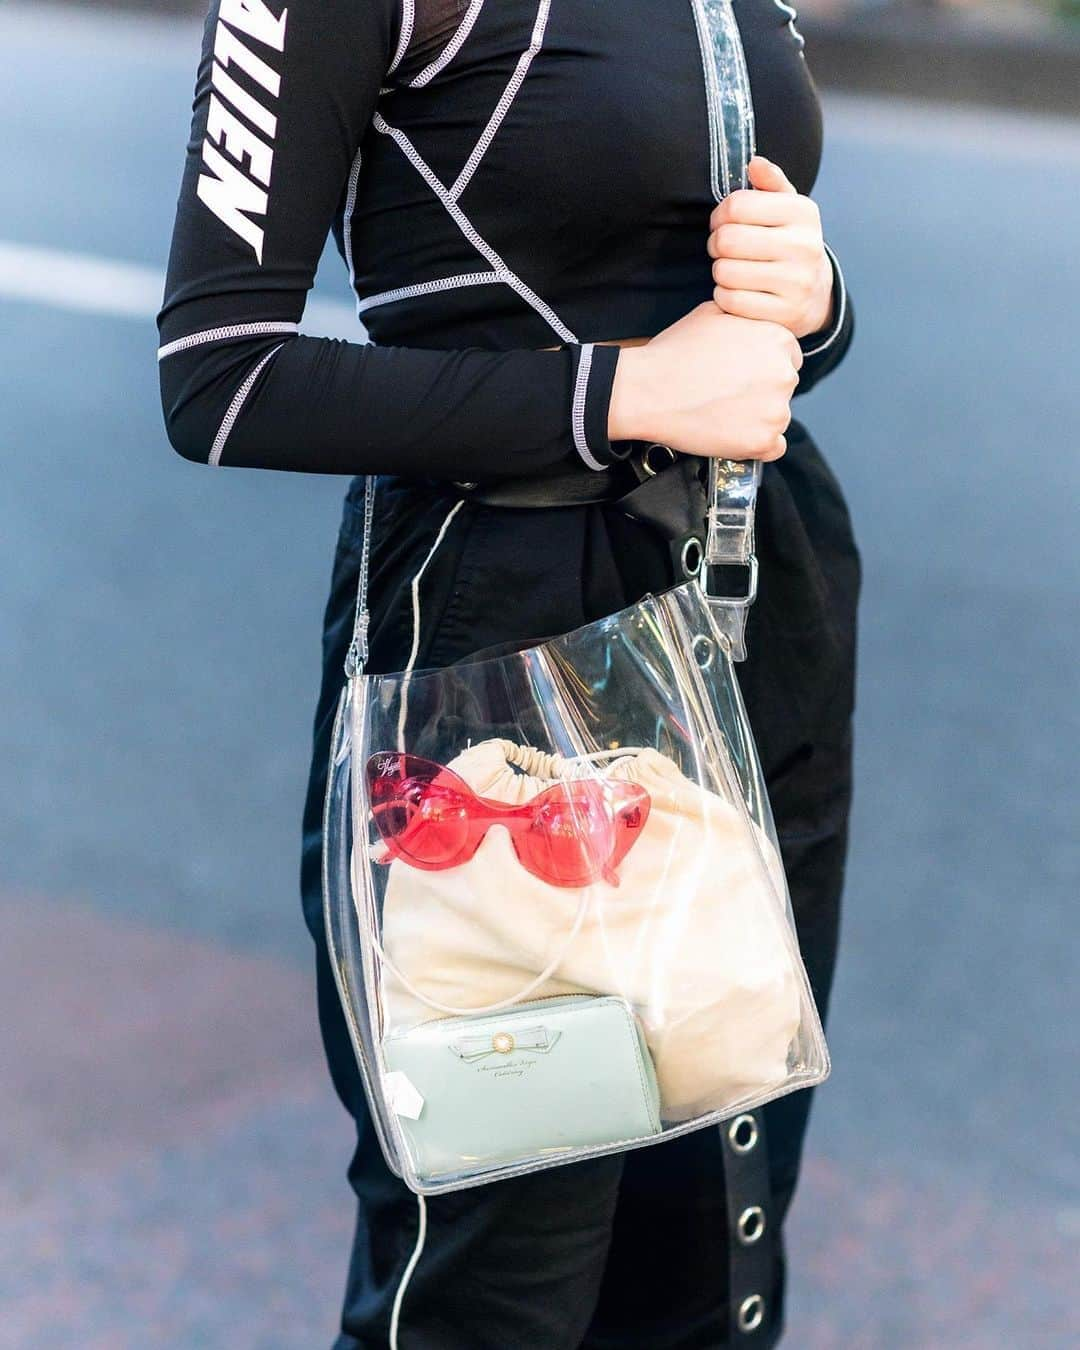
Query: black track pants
(626,1252)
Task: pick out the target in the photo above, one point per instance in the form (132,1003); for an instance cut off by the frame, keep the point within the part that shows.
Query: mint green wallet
(539,1079)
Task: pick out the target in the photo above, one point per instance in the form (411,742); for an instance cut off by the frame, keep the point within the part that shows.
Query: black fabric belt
(653,483)
(576,485)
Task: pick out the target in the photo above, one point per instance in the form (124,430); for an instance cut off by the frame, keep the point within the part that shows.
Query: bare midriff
(607,342)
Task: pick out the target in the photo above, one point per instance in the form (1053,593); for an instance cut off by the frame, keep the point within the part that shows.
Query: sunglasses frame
(621,800)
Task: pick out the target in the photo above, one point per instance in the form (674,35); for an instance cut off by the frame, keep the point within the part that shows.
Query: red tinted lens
(420,808)
(572,834)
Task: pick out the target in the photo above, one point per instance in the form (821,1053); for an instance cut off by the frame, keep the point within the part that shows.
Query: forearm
(291,402)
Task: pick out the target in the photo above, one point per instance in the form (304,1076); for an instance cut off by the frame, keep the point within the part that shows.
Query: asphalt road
(171,1156)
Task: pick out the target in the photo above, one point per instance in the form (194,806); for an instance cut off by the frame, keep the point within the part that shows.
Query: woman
(499,173)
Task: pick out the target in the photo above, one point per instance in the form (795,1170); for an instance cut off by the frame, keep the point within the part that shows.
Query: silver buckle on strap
(729,542)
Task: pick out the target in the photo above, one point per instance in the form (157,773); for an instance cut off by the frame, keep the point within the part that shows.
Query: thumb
(767,176)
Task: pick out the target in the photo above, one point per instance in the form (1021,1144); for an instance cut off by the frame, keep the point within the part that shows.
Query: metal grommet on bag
(704,649)
(743,1133)
(751,1313)
(649,465)
(751,1225)
(692,556)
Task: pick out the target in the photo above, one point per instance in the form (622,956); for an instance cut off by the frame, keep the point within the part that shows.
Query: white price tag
(402,1095)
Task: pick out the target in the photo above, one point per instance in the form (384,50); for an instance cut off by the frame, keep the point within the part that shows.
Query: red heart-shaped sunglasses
(570,834)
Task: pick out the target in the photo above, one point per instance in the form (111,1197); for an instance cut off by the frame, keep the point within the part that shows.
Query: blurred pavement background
(171,1155)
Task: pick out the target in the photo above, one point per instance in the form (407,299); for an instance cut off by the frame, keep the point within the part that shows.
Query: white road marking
(122,290)
(938,128)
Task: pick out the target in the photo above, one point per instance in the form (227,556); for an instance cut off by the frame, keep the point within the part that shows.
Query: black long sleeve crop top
(500,176)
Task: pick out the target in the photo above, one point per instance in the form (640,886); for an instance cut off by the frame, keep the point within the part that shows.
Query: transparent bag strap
(733,485)
(540,762)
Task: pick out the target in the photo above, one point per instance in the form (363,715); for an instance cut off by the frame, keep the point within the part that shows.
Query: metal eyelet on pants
(743,1133)
(751,1253)
(751,1225)
(751,1313)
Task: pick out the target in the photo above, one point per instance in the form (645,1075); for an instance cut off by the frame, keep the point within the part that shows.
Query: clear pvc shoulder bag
(554,900)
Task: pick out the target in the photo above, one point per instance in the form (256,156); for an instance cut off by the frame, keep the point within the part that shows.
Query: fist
(769,259)
(709,384)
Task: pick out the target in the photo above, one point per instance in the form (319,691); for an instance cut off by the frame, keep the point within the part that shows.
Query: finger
(749,242)
(750,304)
(768,176)
(747,206)
(740,274)
(778,449)
(773,450)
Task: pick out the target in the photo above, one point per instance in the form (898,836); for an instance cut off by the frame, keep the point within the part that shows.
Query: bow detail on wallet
(538,1039)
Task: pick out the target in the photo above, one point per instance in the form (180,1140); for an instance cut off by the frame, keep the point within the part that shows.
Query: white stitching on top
(513,85)
(838,323)
(223,334)
(448,198)
(577,419)
(408,14)
(350,207)
(425,287)
(469,230)
(452,47)
(235,407)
